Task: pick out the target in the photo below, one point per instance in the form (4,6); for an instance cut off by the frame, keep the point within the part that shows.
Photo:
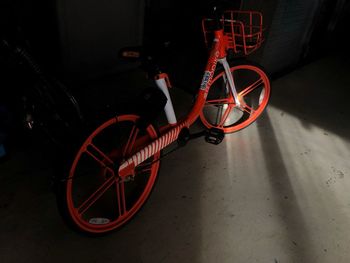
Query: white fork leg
(169,109)
(229,77)
(227,86)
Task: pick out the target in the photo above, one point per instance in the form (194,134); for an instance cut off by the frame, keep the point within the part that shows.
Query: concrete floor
(277,191)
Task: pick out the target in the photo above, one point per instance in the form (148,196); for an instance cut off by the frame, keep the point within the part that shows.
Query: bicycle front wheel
(94,199)
(253,89)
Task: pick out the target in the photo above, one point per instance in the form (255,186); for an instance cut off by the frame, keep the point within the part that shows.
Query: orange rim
(221,111)
(97,200)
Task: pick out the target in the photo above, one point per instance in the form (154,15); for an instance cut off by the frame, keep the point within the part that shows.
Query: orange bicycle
(116,167)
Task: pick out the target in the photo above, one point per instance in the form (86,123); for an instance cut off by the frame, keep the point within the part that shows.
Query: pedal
(214,136)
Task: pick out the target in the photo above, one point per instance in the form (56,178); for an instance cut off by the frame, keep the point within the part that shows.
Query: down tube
(205,84)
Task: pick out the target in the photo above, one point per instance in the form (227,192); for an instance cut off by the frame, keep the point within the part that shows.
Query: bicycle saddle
(146,51)
(152,58)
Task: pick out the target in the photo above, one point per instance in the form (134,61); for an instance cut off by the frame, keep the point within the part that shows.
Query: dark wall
(82,37)
(288,24)
(180,20)
(76,37)
(92,32)
(330,28)
(298,31)
(32,21)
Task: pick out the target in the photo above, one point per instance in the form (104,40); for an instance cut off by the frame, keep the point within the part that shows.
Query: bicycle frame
(170,133)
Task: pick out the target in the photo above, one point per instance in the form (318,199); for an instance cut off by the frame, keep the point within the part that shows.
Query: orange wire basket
(243,29)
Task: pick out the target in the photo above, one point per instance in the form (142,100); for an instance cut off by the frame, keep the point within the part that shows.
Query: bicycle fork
(229,77)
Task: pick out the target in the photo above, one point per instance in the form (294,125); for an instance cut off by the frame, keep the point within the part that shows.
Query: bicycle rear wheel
(253,88)
(94,199)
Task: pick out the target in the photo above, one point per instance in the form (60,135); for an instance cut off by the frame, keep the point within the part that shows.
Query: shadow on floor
(289,212)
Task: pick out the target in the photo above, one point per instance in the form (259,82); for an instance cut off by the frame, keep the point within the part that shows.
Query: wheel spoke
(217,102)
(96,195)
(225,115)
(247,109)
(250,88)
(121,197)
(96,157)
(131,140)
(145,168)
